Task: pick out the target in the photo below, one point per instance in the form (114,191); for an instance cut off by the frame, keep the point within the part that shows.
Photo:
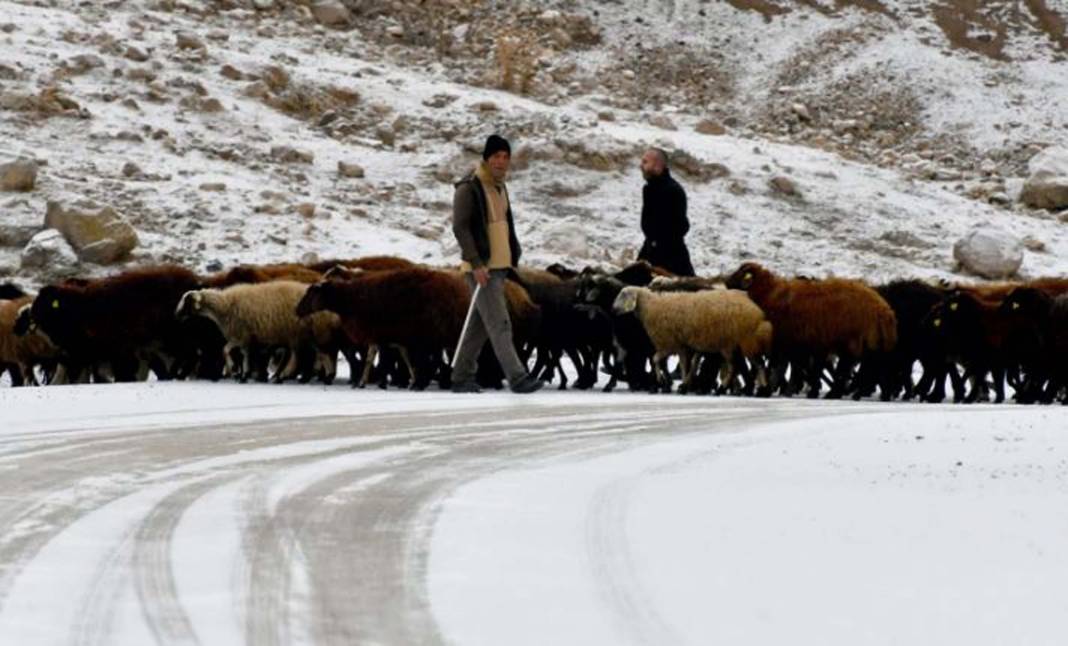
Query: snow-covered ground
(220,513)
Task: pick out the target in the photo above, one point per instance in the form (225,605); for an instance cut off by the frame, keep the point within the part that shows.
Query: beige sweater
(496,220)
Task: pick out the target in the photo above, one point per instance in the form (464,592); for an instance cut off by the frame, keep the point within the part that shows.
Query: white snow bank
(923,527)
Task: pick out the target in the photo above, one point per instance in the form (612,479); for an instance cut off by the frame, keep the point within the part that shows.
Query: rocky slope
(858,137)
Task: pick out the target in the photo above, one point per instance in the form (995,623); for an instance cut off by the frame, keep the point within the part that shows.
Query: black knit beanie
(495,144)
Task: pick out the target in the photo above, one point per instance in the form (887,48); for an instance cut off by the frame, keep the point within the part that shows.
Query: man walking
(483,225)
(664,220)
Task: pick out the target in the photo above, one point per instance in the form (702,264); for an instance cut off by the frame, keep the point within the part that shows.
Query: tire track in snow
(331,522)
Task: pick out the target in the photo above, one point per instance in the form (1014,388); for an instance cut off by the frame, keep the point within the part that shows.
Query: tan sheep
(712,321)
(262,315)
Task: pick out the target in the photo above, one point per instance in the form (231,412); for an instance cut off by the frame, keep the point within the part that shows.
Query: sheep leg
(685,371)
(407,359)
(580,366)
(368,362)
(663,376)
(998,374)
(815,376)
(292,355)
(843,373)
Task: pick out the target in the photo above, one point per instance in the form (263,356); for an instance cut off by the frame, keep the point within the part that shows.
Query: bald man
(664,221)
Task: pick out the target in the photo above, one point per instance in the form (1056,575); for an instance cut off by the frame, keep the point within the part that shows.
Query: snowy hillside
(217,128)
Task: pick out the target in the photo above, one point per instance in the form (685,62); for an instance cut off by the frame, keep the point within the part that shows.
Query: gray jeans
(489,321)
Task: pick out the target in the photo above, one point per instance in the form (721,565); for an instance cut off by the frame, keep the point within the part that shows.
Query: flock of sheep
(397,323)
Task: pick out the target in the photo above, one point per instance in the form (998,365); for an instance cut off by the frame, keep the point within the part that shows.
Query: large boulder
(19,175)
(1047,185)
(49,251)
(990,253)
(98,234)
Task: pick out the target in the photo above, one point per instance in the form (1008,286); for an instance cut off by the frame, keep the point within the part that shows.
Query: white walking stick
(467,323)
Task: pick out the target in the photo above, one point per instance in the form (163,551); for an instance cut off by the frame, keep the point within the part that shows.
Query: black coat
(665,225)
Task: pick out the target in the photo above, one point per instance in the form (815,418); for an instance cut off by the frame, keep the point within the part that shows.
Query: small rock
(213,187)
(784,186)
(801,110)
(486,106)
(48,250)
(1034,244)
(990,253)
(130,169)
(188,40)
(331,13)
(709,127)
(263,5)
(19,175)
(662,121)
(306,210)
(397,31)
(231,72)
(1047,185)
(353,171)
(290,155)
(136,54)
(210,105)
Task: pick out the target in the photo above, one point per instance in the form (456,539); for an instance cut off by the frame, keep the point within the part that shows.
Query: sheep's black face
(56,311)
(10,291)
(24,321)
(1026,303)
(313,300)
(743,278)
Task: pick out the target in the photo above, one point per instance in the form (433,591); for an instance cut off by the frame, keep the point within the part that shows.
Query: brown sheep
(255,274)
(20,353)
(416,310)
(817,319)
(367,263)
(126,320)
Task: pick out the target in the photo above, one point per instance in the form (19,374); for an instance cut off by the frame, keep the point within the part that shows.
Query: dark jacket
(469,223)
(665,225)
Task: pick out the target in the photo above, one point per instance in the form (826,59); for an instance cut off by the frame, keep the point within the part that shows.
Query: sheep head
(24,322)
(341,272)
(627,301)
(1026,302)
(11,291)
(190,304)
(314,299)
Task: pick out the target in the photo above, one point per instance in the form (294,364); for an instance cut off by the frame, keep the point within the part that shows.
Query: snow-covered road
(222,514)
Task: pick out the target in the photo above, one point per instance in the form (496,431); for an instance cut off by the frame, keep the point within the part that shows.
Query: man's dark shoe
(466,387)
(527,384)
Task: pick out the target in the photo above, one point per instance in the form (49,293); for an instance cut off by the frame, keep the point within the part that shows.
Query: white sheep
(718,321)
(262,315)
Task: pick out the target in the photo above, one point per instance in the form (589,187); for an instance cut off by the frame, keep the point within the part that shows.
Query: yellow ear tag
(937,322)
(1015,306)
(953,307)
(748,276)
(55,305)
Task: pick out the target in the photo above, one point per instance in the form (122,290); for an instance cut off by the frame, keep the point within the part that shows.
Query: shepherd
(485,230)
